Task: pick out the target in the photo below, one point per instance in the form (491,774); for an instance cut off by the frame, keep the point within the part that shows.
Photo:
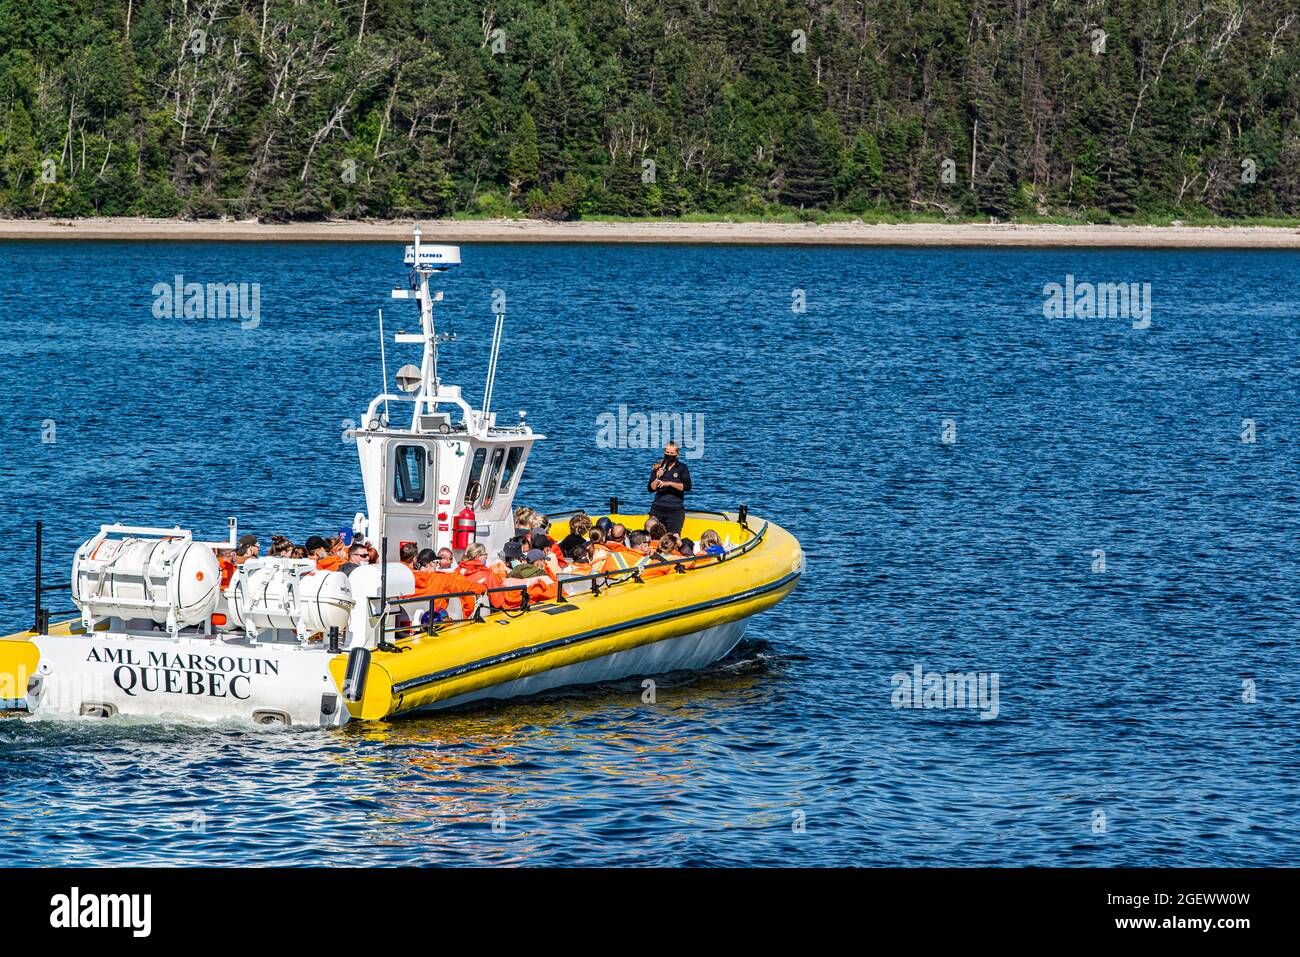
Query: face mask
(670,459)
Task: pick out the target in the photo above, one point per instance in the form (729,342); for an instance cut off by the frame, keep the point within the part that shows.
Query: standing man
(670,481)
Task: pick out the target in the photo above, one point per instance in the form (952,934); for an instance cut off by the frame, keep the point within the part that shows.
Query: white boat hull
(111,675)
(194,679)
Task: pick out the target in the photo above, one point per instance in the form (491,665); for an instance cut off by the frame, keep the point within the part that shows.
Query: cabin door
(410,481)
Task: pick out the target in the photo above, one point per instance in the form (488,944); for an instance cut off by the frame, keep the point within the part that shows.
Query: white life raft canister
(291,594)
(148,578)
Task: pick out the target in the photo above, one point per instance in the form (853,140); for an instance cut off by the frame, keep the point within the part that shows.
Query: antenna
(425,260)
(383,365)
(492,362)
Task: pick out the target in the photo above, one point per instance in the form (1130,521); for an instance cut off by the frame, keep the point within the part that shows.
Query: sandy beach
(539,231)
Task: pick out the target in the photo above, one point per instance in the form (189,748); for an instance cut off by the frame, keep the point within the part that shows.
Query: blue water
(1121,735)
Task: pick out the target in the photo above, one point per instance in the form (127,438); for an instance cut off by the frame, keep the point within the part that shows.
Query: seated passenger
(446,558)
(408,553)
(655,528)
(225,558)
(532,565)
(473,562)
(247,548)
(535,574)
(358,554)
(579,526)
(687,547)
(620,555)
(710,544)
(639,541)
(430,580)
(596,547)
(670,546)
(580,563)
(318,551)
(342,543)
(659,563)
(512,552)
(526,519)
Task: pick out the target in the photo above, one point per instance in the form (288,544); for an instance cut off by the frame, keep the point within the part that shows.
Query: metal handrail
(41,623)
(560,516)
(633,573)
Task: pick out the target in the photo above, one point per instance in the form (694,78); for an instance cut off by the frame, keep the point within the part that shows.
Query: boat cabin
(423,475)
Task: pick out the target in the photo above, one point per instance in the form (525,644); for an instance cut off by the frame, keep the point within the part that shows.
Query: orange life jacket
(227,572)
(439,582)
(662,569)
(330,563)
(539,588)
(578,570)
(621,557)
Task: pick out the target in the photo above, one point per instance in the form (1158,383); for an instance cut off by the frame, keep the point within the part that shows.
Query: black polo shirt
(670,499)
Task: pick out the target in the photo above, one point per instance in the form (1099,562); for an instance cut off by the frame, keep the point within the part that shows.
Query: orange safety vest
(662,569)
(436,582)
(539,588)
(621,557)
(578,570)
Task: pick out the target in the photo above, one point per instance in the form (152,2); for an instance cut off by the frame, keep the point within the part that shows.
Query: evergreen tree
(523,154)
(286,109)
(809,176)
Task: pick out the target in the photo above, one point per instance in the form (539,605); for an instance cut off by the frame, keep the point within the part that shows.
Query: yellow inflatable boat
(644,621)
(164,628)
(638,623)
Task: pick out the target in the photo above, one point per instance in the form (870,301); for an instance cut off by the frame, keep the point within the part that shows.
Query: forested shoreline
(562,109)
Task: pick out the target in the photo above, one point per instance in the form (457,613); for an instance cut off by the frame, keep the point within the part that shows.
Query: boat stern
(106,674)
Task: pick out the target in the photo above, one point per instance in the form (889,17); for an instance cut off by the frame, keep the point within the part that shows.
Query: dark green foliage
(562,108)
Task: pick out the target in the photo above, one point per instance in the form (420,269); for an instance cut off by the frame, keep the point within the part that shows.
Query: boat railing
(383,606)
(41,624)
(740,516)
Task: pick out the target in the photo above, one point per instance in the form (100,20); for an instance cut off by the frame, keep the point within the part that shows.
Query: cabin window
(409,474)
(475,476)
(490,489)
(512,465)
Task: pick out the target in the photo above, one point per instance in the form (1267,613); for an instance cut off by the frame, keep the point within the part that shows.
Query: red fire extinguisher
(464,529)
